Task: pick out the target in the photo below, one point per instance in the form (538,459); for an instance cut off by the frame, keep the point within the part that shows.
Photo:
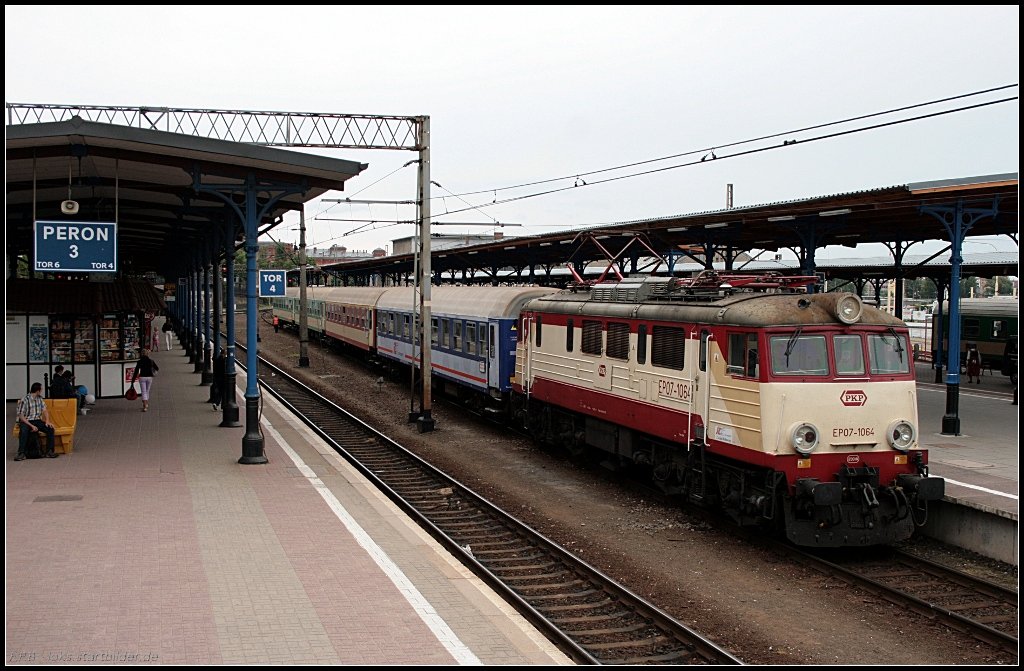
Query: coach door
(488,348)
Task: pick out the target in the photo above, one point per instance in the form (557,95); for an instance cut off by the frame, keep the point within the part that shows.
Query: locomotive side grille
(618,340)
(591,337)
(668,347)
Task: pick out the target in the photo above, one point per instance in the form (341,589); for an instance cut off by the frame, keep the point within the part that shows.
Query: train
(991,324)
(788,410)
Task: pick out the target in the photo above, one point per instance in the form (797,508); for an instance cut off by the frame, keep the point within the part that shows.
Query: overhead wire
(738,154)
(736,143)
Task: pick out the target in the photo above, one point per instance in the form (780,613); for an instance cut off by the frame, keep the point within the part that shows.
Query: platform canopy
(145,181)
(893,215)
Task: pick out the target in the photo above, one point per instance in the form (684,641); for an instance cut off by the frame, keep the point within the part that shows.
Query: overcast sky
(517,95)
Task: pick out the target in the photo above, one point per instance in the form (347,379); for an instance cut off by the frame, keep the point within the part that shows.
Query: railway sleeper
(620,645)
(675,657)
(588,605)
(556,585)
(534,576)
(590,620)
(608,632)
(564,595)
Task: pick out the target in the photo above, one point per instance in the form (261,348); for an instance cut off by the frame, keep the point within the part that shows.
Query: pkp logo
(853,397)
(853,458)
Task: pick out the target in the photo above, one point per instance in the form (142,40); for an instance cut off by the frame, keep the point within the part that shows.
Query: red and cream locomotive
(787,409)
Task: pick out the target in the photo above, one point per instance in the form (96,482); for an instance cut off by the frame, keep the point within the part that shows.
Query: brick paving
(151,545)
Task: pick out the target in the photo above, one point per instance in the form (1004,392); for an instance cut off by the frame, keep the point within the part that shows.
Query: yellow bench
(64,416)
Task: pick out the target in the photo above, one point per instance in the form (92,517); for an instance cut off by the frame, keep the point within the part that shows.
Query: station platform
(980,465)
(150,544)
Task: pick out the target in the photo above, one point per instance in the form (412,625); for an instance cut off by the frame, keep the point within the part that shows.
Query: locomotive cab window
(796,354)
(889,354)
(743,355)
(849,354)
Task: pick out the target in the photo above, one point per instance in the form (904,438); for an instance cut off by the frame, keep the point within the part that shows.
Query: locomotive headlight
(805,438)
(901,435)
(849,309)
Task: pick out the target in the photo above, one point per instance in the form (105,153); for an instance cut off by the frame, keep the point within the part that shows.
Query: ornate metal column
(957,220)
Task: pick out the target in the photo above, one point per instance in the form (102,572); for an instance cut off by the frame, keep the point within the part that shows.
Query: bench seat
(64,415)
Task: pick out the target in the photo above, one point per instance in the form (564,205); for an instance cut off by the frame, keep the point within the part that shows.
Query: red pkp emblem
(853,397)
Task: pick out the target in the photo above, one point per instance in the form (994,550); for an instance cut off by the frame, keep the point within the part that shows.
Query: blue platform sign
(271,283)
(76,247)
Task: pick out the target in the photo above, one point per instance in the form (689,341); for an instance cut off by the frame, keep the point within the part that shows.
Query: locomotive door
(702,389)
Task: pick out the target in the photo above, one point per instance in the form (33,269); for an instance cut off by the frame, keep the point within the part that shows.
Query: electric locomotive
(787,409)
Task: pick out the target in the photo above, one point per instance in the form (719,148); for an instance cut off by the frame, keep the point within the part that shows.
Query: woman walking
(145,369)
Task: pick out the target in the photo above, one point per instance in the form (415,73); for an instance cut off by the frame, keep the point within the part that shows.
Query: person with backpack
(33,417)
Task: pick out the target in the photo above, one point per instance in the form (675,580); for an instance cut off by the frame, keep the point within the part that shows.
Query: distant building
(442,241)
(339,254)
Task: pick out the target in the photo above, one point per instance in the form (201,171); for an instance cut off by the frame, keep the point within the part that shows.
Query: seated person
(60,386)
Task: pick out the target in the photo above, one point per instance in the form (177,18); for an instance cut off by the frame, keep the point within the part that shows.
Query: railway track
(977,607)
(588,615)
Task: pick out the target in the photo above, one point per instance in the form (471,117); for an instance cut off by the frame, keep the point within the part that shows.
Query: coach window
(999,329)
(391,323)
(972,328)
(668,347)
(641,344)
(433,331)
(471,337)
(591,338)
(568,336)
(446,334)
(405,326)
(618,340)
(481,332)
(457,335)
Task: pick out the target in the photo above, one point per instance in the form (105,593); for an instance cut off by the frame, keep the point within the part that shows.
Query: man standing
(34,416)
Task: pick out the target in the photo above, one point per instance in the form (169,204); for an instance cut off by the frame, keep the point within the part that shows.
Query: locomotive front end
(848,417)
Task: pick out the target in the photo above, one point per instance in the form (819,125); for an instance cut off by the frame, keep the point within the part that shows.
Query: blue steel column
(207,358)
(951,420)
(216,385)
(937,356)
(957,220)
(198,346)
(252,442)
(230,406)
(189,280)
